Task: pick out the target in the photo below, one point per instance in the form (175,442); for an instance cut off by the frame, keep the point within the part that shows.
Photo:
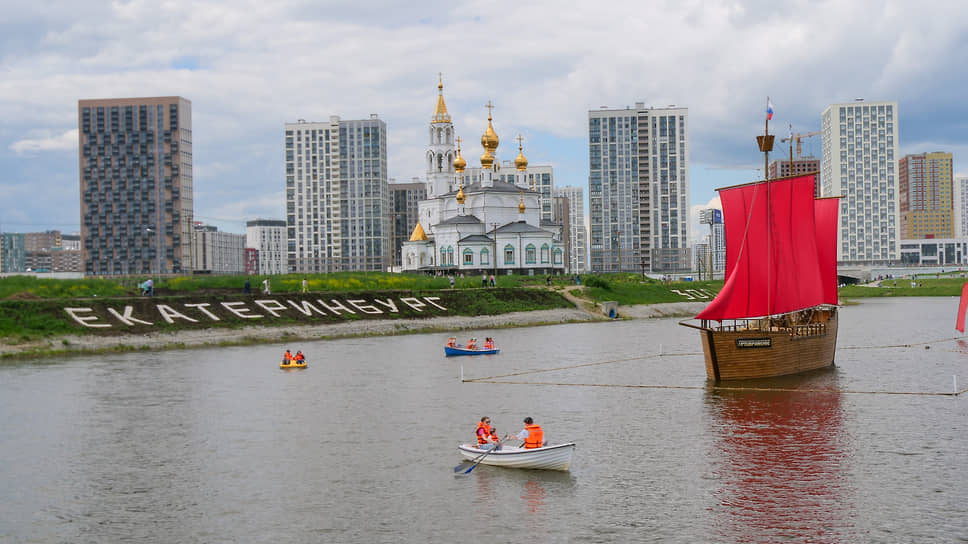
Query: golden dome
(521,162)
(440,113)
(459,162)
(460,194)
(521,207)
(418,234)
(490,140)
(487,160)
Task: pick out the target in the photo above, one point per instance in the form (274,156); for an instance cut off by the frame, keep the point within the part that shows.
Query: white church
(478,225)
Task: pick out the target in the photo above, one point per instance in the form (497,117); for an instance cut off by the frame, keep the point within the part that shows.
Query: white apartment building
(337,196)
(268,236)
(860,164)
(960,203)
(577,234)
(638,189)
(217,252)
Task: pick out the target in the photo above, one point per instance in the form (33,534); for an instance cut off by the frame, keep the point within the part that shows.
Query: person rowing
(531,435)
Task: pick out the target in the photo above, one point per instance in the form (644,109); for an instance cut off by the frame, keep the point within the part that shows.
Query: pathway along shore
(265,335)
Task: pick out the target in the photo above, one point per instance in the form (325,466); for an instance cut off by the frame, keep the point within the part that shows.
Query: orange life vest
(489,345)
(482,436)
(299,357)
(535,436)
(451,343)
(287,356)
(494,437)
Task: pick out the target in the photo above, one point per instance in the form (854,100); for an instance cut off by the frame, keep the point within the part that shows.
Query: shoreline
(183,339)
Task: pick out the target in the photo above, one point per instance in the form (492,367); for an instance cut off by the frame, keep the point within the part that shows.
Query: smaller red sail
(960,323)
(826,211)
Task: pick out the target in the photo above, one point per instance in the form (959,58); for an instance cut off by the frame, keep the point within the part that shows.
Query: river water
(220,445)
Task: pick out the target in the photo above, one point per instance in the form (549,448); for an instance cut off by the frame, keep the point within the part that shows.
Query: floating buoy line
(502,378)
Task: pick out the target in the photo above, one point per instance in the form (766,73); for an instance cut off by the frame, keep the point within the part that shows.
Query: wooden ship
(777,311)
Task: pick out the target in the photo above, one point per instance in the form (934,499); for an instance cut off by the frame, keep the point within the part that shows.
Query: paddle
(463,463)
(481,458)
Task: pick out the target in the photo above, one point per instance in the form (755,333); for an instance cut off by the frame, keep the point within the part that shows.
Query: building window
(544,253)
(485,256)
(530,254)
(468,257)
(508,254)
(558,256)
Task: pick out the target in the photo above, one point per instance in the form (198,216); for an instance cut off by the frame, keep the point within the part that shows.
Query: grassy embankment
(32,308)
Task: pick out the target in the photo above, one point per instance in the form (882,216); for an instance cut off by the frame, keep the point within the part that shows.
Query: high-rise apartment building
(268,237)
(136,185)
(405,213)
(638,189)
(576,244)
(337,196)
(860,142)
(960,204)
(925,194)
(218,252)
(782,168)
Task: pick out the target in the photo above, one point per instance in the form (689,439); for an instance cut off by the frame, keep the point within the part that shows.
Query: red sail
(772,259)
(826,213)
(960,323)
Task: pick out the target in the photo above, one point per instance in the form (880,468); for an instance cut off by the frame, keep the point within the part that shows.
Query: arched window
(468,257)
(485,256)
(530,254)
(509,254)
(545,253)
(558,255)
(450,255)
(443,256)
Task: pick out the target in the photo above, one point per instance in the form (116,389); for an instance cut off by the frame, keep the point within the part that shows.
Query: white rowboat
(557,457)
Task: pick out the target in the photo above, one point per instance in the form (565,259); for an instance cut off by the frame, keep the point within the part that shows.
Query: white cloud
(698,229)
(66,141)
(256,65)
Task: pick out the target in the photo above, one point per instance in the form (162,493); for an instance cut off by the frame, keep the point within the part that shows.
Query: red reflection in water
(780,458)
(534,496)
(962,347)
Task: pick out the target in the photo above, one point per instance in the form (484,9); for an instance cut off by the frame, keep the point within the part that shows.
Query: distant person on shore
(492,281)
(531,435)
(484,280)
(265,287)
(305,286)
(247,287)
(149,287)
(451,278)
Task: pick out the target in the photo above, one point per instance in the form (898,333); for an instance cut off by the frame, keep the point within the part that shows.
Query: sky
(248,67)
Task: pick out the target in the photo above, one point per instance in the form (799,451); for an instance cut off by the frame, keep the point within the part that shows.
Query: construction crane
(799,136)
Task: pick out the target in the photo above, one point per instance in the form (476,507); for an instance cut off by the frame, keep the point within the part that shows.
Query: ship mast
(765,143)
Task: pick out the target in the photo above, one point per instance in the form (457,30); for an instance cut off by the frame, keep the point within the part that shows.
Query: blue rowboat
(461,350)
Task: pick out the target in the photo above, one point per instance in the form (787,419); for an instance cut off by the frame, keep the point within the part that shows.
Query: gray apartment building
(135,158)
(405,213)
(638,189)
(337,196)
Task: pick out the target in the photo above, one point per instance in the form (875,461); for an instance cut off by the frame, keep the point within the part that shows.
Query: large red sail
(826,211)
(772,259)
(960,322)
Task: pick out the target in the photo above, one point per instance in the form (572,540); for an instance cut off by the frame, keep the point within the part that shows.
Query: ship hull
(742,353)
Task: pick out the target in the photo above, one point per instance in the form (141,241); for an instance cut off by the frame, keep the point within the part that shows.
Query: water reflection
(780,459)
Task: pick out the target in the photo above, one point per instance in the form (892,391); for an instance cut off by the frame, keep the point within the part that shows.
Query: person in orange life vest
(472,343)
(532,435)
(488,343)
(495,439)
(452,342)
(483,432)
(287,358)
(299,358)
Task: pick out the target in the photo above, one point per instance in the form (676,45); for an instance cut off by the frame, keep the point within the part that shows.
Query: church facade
(478,224)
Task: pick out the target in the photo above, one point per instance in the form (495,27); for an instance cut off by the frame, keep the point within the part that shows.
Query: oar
(463,463)
(488,452)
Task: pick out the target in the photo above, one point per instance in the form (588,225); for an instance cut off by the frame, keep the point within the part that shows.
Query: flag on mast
(769,109)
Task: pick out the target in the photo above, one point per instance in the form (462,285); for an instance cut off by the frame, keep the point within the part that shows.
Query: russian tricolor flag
(769,109)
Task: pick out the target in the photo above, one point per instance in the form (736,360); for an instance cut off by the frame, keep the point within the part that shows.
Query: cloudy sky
(248,67)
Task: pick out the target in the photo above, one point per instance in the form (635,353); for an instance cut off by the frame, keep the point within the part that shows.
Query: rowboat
(556,457)
(461,350)
(293,364)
